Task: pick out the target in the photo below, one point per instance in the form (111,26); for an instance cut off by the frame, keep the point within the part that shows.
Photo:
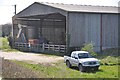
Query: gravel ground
(30,57)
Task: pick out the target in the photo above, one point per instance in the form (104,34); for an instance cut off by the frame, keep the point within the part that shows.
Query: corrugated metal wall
(92,30)
(86,28)
(110,30)
(76,29)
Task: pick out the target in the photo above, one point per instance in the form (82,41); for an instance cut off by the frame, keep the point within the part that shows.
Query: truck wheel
(68,64)
(81,69)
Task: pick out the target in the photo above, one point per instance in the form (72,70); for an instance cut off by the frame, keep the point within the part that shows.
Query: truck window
(84,55)
(73,55)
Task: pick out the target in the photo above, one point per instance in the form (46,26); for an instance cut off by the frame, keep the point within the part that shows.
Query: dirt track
(30,57)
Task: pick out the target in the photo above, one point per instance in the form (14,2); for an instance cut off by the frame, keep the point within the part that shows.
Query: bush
(89,47)
(110,60)
(5,43)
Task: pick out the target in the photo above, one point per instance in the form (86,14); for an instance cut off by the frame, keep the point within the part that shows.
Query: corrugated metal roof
(83,8)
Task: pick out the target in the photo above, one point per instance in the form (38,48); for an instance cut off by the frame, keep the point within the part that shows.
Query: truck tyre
(81,69)
(68,64)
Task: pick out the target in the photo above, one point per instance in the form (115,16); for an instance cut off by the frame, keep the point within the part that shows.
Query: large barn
(68,24)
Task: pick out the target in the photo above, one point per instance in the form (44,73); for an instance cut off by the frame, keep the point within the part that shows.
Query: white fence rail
(39,47)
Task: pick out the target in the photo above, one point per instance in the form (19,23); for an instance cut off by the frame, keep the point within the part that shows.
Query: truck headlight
(97,62)
(85,63)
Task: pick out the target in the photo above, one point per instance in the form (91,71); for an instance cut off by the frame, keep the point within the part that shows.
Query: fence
(39,47)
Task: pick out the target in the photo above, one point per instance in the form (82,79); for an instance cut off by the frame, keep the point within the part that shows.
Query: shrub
(110,60)
(5,43)
(89,47)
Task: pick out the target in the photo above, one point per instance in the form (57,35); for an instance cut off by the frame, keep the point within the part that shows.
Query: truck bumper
(87,68)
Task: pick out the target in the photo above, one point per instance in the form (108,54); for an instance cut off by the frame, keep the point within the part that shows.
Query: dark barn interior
(50,28)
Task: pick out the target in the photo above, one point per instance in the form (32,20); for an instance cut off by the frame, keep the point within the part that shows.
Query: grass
(53,54)
(110,60)
(5,45)
(59,70)
(10,50)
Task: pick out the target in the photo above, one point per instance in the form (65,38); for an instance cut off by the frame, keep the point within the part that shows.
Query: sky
(7,6)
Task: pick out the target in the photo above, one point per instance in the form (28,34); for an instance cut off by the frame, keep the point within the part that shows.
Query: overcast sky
(7,8)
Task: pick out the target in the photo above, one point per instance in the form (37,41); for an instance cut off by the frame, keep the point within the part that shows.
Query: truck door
(74,59)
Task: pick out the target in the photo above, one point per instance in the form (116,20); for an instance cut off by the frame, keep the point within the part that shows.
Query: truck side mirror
(72,56)
(76,58)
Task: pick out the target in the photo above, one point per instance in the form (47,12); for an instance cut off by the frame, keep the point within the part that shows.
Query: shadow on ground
(88,71)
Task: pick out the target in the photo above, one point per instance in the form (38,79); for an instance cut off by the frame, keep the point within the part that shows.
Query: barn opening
(47,28)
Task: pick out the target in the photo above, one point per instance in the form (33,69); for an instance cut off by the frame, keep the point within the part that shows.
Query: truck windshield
(84,55)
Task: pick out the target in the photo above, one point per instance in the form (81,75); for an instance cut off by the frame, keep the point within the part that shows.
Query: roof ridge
(77,4)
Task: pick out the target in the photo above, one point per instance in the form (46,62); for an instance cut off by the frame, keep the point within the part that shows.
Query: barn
(67,24)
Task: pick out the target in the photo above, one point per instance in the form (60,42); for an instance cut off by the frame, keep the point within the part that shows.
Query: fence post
(43,46)
(48,46)
(53,47)
(59,48)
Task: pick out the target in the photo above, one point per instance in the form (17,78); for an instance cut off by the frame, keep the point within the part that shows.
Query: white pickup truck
(83,60)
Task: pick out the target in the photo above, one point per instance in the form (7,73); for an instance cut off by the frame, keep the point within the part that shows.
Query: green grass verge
(10,50)
(110,60)
(4,46)
(4,43)
(53,54)
(59,70)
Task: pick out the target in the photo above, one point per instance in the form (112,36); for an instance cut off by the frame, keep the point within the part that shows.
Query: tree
(6,29)
(89,47)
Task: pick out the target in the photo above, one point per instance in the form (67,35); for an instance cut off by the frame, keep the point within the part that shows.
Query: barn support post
(101,33)
(43,47)
(54,30)
(119,28)
(12,33)
(41,23)
(67,33)
(12,27)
